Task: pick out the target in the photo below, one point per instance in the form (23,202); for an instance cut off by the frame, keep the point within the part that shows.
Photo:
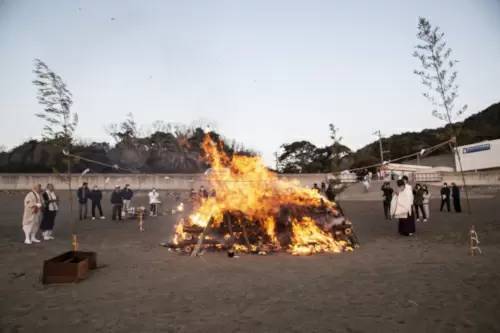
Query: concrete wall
(136,181)
(484,178)
(188,181)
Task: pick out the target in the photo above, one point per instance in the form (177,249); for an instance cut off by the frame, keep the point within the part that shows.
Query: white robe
(401,204)
(32,212)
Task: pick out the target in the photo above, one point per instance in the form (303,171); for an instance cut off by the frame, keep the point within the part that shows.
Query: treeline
(303,156)
(175,149)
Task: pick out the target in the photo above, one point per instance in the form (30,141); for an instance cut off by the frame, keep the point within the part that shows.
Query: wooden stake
(245,235)
(473,242)
(198,245)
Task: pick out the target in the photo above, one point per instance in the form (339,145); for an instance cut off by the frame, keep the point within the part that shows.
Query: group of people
(327,191)
(40,210)
(407,203)
(41,207)
(447,194)
(120,200)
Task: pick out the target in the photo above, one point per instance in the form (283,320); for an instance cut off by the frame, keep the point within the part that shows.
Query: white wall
(478,156)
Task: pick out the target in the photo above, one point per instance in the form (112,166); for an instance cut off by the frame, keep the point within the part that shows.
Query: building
(479,156)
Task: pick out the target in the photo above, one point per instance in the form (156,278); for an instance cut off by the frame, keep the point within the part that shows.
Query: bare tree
(438,75)
(55,96)
(337,150)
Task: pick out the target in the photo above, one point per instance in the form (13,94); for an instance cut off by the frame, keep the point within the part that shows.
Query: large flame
(244,185)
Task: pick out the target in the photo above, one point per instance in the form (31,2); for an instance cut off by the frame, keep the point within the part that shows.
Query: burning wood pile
(253,211)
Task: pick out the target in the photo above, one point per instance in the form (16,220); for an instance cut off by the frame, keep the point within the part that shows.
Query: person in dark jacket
(445,197)
(330,192)
(418,202)
(83,197)
(95,198)
(127,195)
(455,193)
(116,203)
(387,193)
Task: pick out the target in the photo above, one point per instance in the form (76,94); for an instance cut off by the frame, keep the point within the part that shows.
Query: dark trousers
(420,208)
(456,205)
(82,211)
(387,208)
(96,204)
(153,208)
(445,202)
(117,212)
(48,219)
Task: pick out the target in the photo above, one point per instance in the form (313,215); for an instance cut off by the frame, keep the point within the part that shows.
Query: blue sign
(475,149)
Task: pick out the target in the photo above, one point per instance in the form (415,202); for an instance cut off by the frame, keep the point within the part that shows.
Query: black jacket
(127,194)
(446,192)
(116,198)
(95,195)
(83,194)
(388,191)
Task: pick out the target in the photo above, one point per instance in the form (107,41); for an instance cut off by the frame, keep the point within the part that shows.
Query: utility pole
(379,134)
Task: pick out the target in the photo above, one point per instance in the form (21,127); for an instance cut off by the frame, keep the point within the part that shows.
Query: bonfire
(252,210)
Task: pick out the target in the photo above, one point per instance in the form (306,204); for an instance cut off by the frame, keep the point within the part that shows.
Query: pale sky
(265,72)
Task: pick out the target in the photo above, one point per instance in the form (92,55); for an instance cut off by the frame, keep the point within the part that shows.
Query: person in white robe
(32,214)
(402,208)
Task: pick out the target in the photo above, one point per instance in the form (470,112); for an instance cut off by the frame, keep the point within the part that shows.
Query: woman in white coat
(154,201)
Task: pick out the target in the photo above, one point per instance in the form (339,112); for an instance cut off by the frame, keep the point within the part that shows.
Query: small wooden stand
(474,242)
(140,216)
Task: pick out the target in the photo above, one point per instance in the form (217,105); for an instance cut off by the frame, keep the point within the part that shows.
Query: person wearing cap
(116,203)
(127,195)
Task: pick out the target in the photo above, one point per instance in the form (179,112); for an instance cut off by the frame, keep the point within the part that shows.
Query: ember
(253,211)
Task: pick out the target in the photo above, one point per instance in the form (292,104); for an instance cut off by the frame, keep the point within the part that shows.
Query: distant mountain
(484,125)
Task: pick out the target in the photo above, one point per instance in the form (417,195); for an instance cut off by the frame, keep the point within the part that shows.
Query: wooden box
(71,266)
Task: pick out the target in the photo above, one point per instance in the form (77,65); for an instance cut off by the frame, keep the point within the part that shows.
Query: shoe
(93,218)
(27,241)
(45,235)
(103,217)
(425,220)
(410,234)
(35,240)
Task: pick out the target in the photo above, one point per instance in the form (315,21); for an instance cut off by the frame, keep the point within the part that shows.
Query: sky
(265,72)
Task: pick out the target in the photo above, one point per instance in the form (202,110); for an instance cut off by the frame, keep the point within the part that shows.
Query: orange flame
(244,185)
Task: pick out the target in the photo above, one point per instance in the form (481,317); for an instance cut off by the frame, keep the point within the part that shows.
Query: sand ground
(425,283)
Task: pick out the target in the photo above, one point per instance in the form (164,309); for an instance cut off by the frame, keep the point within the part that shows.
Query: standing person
(427,201)
(366,182)
(32,214)
(316,188)
(95,198)
(127,195)
(323,188)
(445,197)
(330,192)
(387,193)
(203,192)
(83,197)
(455,193)
(116,203)
(401,208)
(418,202)
(51,207)
(154,201)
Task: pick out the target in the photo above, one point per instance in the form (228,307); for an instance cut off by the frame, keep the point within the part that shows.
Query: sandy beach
(424,283)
